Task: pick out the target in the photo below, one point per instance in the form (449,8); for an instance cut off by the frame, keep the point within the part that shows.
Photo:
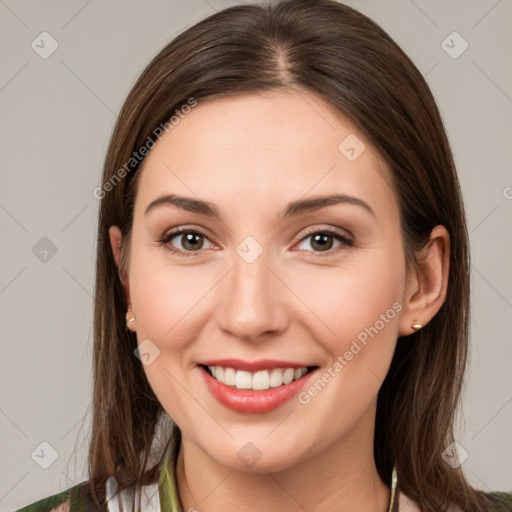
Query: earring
(416,326)
(129,321)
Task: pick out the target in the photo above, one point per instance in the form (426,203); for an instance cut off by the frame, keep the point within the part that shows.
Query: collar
(167,486)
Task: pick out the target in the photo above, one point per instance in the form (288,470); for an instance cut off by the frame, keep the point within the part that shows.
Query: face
(268,280)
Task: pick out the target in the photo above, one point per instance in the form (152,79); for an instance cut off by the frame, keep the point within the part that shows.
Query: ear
(427,282)
(116,242)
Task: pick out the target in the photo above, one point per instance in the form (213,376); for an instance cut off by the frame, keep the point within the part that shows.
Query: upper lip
(253,366)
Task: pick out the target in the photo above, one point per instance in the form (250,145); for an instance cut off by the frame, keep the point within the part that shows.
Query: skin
(251,155)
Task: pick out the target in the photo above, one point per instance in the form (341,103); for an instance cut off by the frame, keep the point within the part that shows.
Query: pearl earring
(416,326)
(129,321)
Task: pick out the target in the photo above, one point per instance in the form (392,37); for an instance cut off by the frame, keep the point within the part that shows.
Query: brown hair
(342,56)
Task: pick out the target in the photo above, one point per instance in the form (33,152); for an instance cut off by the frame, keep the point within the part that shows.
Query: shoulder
(74,499)
(502,501)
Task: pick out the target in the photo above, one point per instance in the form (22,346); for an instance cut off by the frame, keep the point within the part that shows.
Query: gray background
(57,115)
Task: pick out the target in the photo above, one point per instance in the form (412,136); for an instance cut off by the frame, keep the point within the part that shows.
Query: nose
(253,305)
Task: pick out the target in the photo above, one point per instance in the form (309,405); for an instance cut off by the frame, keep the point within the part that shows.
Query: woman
(282,270)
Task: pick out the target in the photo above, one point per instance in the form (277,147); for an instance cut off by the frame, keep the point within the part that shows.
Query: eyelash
(347,242)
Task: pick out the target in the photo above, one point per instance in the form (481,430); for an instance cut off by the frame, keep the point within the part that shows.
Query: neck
(342,477)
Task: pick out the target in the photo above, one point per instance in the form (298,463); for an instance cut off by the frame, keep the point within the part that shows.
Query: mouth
(255,388)
(257,381)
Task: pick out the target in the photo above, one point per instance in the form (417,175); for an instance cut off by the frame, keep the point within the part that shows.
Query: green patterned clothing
(163,496)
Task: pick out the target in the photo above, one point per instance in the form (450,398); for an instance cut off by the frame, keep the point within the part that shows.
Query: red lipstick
(253,366)
(248,401)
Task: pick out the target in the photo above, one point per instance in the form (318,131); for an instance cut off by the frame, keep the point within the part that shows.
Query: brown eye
(186,241)
(321,242)
(324,241)
(191,241)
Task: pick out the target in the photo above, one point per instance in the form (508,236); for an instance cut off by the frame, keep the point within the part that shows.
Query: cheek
(166,297)
(167,302)
(361,309)
(360,303)
(353,299)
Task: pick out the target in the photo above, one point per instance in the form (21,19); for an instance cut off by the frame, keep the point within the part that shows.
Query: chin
(258,456)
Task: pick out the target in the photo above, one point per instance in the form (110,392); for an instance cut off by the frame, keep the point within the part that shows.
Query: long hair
(337,53)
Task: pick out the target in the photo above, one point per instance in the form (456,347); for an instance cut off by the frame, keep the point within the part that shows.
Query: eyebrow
(294,208)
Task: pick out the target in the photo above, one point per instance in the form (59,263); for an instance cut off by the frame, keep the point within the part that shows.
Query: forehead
(261,149)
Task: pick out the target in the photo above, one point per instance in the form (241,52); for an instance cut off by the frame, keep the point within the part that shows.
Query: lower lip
(253,402)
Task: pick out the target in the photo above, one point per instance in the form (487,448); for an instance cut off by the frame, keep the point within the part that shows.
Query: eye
(185,240)
(324,241)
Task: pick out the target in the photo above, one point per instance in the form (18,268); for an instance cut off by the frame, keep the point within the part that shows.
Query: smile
(254,387)
(258,381)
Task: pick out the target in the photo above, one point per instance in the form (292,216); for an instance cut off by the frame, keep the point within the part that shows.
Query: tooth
(243,380)
(229,376)
(258,381)
(261,380)
(288,375)
(276,378)
(219,373)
